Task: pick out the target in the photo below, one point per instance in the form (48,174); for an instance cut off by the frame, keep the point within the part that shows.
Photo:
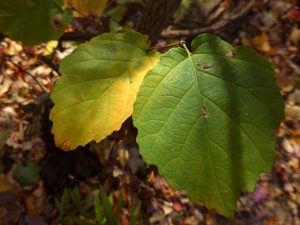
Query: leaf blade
(191,111)
(98,88)
(33,21)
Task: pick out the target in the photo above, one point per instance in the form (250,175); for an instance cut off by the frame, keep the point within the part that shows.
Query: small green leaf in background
(98,87)
(98,209)
(104,208)
(4,134)
(26,173)
(115,17)
(207,120)
(111,217)
(33,21)
(185,4)
(74,208)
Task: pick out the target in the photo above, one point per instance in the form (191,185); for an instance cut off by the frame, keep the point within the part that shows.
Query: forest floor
(34,174)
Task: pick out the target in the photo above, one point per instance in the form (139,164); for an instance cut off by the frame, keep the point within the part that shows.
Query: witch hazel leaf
(207,120)
(33,21)
(98,87)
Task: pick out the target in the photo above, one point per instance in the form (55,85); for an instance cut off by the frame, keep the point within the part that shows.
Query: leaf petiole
(186,49)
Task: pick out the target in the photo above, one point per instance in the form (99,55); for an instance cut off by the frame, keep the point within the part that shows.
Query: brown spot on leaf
(203,66)
(230,54)
(207,67)
(57,21)
(205,112)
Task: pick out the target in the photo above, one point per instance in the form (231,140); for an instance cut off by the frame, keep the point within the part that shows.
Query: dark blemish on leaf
(207,67)
(204,111)
(231,54)
(57,21)
(204,66)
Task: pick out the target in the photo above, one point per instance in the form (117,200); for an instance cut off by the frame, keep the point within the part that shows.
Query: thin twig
(109,5)
(221,24)
(158,48)
(49,63)
(30,74)
(76,36)
(76,10)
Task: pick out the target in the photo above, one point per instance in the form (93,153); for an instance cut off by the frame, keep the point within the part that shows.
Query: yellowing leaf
(50,47)
(87,7)
(99,84)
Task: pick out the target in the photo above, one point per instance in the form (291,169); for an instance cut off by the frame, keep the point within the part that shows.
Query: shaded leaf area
(33,21)
(210,115)
(26,174)
(98,88)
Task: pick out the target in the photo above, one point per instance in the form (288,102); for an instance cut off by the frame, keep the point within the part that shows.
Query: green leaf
(4,134)
(115,16)
(33,21)
(184,6)
(134,214)
(26,174)
(99,84)
(76,198)
(98,209)
(112,218)
(207,120)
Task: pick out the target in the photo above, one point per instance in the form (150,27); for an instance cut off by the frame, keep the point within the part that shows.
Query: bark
(156,16)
